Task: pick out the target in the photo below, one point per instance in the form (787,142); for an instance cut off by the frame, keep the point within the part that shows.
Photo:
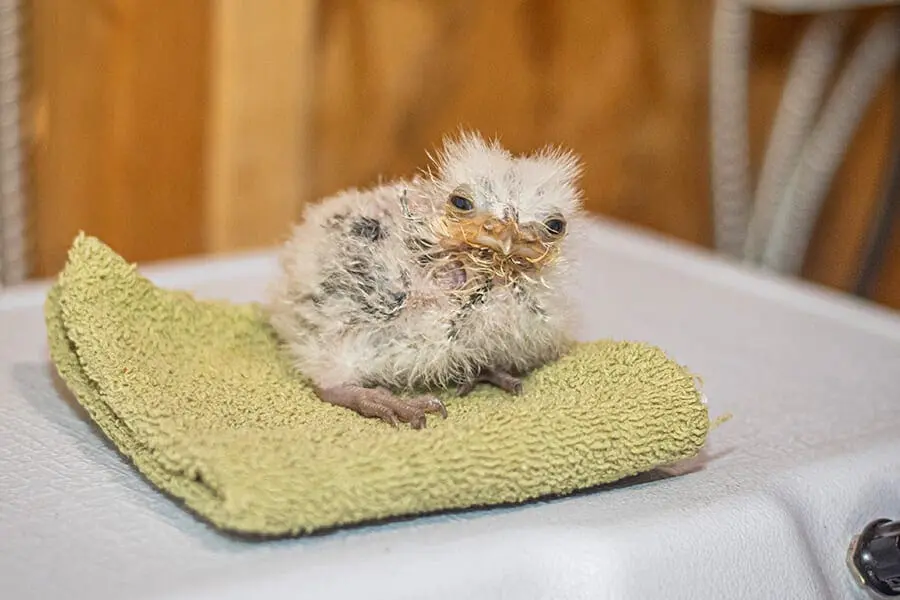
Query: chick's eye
(555,226)
(461,203)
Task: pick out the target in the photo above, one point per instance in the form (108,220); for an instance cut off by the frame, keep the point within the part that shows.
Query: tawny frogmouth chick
(452,278)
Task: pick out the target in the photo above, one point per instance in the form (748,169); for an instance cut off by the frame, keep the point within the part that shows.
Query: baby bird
(453,277)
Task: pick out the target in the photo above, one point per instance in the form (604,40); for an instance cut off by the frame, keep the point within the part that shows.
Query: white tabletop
(812,455)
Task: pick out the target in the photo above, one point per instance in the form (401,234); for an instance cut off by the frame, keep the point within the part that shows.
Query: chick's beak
(497,235)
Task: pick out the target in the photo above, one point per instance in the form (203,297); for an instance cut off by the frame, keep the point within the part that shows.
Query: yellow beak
(496,235)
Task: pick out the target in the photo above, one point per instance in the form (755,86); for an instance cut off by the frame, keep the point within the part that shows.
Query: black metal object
(874,557)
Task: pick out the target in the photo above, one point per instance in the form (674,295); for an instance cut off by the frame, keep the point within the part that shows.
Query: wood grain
(177,128)
(887,286)
(258,152)
(623,83)
(119,99)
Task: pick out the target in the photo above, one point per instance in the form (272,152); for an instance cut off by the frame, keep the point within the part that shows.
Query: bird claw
(382,404)
(500,379)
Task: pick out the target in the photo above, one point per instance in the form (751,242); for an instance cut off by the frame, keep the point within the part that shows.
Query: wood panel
(119,96)
(177,128)
(621,82)
(887,286)
(258,153)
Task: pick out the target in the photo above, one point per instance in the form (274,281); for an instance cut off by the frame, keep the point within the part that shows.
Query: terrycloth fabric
(197,395)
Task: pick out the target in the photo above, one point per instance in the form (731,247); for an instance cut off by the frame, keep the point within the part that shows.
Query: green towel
(199,398)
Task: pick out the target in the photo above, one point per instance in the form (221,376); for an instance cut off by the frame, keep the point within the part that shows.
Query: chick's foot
(381,403)
(501,379)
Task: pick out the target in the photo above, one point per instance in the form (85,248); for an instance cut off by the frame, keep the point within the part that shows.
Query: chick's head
(498,213)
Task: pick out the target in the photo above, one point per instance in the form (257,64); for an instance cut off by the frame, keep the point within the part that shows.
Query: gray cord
(12,211)
(730,168)
(798,212)
(812,66)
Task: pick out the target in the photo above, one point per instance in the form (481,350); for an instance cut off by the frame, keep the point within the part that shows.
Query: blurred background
(175,128)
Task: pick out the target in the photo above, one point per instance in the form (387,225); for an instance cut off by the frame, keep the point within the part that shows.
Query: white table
(812,455)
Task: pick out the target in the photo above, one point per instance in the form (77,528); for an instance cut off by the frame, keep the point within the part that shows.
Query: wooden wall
(118,108)
(182,114)
(622,82)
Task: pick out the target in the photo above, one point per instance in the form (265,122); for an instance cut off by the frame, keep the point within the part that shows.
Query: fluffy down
(382,287)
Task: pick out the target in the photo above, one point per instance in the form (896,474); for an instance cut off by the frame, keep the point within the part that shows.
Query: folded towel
(198,396)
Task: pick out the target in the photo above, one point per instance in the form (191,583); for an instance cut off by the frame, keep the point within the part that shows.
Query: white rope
(812,66)
(823,152)
(12,213)
(730,168)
